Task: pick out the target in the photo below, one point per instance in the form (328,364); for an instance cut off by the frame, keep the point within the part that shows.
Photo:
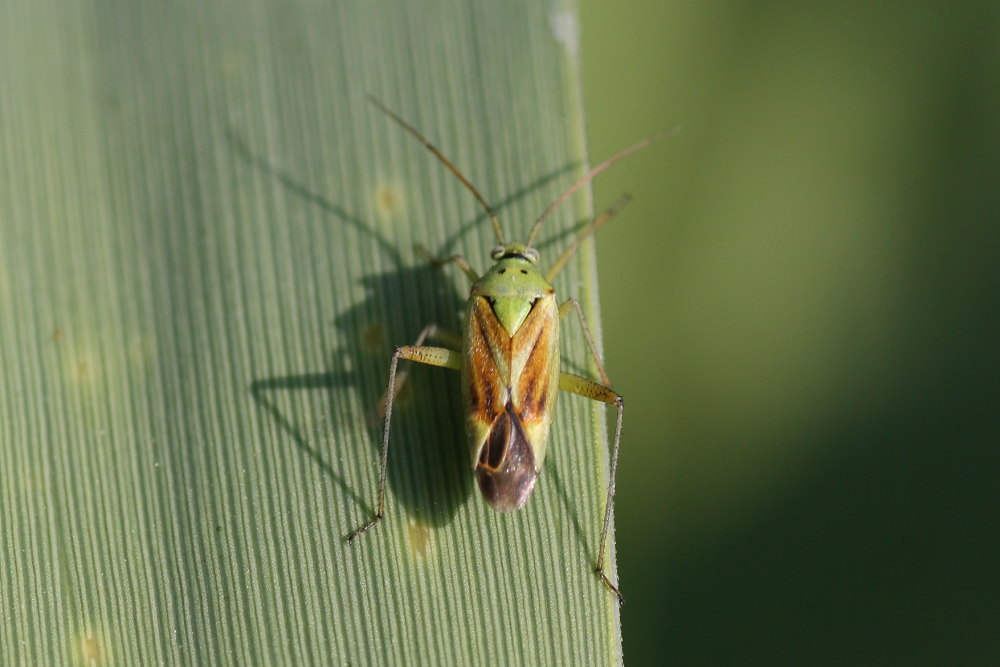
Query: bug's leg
(426,255)
(563,310)
(432,356)
(598,392)
(432,332)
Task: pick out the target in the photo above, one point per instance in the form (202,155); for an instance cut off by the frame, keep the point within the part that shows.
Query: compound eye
(531,255)
(497,252)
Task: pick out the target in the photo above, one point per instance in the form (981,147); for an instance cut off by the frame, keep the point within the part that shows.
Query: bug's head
(514,250)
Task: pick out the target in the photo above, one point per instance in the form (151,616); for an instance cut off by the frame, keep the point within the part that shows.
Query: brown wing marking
(487,362)
(536,362)
(535,365)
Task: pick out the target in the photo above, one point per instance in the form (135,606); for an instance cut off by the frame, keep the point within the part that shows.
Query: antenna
(591,228)
(594,172)
(445,161)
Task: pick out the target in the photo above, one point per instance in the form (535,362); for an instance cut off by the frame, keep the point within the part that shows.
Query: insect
(510,359)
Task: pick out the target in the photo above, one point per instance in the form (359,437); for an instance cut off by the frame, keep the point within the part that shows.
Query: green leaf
(206,259)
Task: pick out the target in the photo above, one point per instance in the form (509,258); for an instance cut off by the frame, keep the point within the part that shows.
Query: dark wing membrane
(506,469)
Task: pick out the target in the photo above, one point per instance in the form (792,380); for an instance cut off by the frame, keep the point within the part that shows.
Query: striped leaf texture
(206,259)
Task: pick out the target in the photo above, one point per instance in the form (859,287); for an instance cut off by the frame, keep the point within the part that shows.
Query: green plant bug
(509,358)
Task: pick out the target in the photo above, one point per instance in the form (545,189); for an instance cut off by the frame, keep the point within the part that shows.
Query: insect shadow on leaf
(509,356)
(429,478)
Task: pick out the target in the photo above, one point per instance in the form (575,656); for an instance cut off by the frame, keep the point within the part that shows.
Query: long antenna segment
(594,172)
(445,161)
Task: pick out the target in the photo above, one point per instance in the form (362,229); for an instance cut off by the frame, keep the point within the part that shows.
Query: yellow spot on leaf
(418,538)
(90,648)
(84,368)
(373,337)
(388,199)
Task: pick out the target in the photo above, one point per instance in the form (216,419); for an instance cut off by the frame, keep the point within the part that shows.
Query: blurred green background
(801,309)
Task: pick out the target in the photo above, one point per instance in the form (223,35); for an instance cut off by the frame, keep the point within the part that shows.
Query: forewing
(486,366)
(535,371)
(485,372)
